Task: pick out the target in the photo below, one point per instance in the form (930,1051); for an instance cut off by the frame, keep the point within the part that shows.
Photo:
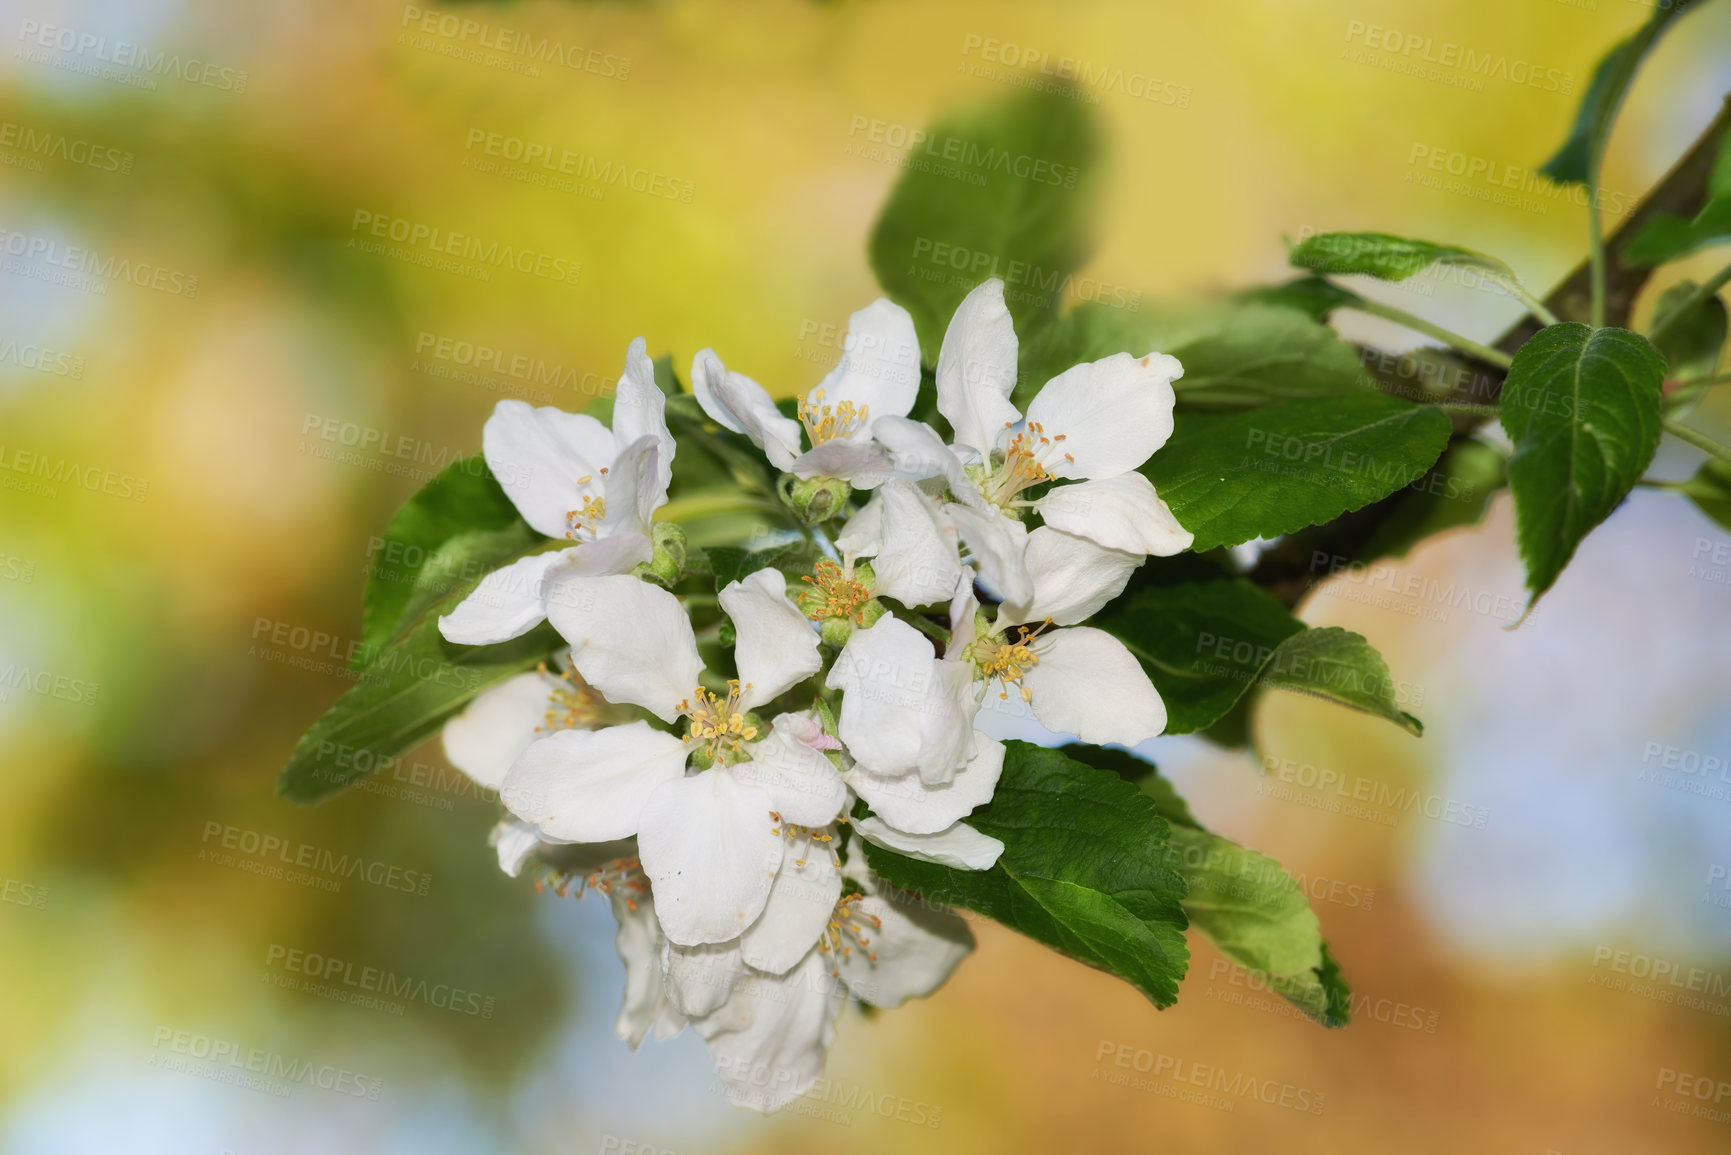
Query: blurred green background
(214,390)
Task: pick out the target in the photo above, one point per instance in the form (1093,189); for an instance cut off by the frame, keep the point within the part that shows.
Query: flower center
(819,839)
(1024,464)
(996,656)
(580,523)
(574,705)
(718,724)
(828,422)
(849,928)
(833,594)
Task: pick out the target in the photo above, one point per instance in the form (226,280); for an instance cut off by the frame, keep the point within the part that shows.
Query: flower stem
(1447,336)
(1700,441)
(1596,247)
(683,509)
(1703,291)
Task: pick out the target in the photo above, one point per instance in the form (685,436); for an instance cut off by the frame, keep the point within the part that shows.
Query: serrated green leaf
(1255,912)
(1710,490)
(1456,493)
(457,527)
(1264,354)
(1692,342)
(410,690)
(1278,468)
(1203,644)
(1000,191)
(1342,667)
(1387,257)
(1582,408)
(1086,869)
(1578,160)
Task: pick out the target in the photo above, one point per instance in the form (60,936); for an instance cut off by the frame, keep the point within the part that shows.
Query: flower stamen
(830,422)
(849,928)
(718,723)
(997,656)
(834,593)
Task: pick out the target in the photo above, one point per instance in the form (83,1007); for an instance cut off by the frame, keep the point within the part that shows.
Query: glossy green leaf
(1202,643)
(1086,869)
(1002,191)
(1278,468)
(1264,354)
(1582,408)
(1578,160)
(417,682)
(1315,297)
(1340,666)
(1690,343)
(459,526)
(1387,257)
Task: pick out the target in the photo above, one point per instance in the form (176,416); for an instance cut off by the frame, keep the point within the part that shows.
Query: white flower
(911,541)
(773,1031)
(1090,426)
(501,721)
(903,709)
(582,482)
(711,842)
(878,376)
(1077,680)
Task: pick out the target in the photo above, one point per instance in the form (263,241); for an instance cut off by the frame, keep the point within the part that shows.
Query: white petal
(634,489)
(699,978)
(630,640)
(640,410)
(977,369)
(960,847)
(497,726)
(736,402)
(963,606)
(863,535)
(859,461)
(515,841)
(592,785)
(1122,512)
(902,710)
(646,1006)
(803,785)
(770,1040)
(1072,576)
(619,554)
(1113,413)
(711,850)
(917,563)
(540,456)
(916,950)
(507,604)
(799,908)
(913,807)
(996,543)
(879,369)
(917,452)
(777,646)
(1087,684)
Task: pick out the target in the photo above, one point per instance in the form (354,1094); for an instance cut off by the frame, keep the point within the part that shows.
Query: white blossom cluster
(719,814)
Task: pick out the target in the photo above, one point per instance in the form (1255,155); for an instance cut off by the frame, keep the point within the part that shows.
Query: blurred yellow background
(236,414)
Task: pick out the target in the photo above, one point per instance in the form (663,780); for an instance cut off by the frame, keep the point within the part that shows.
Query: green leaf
(1668,237)
(1340,666)
(1002,191)
(1389,258)
(1691,343)
(1582,408)
(1710,489)
(1263,354)
(415,684)
(1203,644)
(1456,493)
(1315,297)
(1255,912)
(1087,333)
(1086,869)
(1578,160)
(792,558)
(1278,468)
(459,526)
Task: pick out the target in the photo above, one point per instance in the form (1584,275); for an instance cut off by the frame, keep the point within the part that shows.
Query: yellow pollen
(573,706)
(718,722)
(578,520)
(833,594)
(1009,661)
(622,875)
(1024,464)
(846,930)
(828,422)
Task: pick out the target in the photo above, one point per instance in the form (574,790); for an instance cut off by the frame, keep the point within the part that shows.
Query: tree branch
(1286,569)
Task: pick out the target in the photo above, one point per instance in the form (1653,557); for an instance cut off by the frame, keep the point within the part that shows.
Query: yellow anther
(577,521)
(828,422)
(833,594)
(718,722)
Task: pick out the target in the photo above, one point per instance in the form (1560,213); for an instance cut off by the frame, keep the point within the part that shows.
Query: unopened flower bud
(667,564)
(815,499)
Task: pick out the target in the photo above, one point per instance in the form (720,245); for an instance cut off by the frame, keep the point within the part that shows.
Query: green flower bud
(667,564)
(815,499)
